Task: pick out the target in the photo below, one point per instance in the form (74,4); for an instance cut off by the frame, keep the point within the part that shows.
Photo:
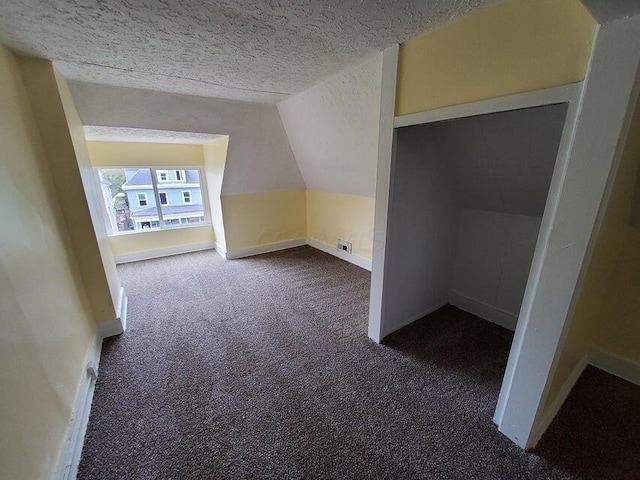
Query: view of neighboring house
(179,194)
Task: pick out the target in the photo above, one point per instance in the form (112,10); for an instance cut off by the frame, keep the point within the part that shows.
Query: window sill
(155,230)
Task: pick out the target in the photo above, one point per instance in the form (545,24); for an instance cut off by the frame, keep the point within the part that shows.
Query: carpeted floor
(261,368)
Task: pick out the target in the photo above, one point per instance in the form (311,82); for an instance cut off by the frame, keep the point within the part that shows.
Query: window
(142,199)
(131,194)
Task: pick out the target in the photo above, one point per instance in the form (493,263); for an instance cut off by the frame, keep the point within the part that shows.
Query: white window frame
(184,200)
(182,174)
(159,173)
(146,199)
(206,212)
(166,197)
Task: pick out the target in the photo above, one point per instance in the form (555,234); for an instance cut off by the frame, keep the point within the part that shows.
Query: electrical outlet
(344,246)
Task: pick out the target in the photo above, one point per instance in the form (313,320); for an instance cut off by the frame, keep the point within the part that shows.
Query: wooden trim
(537,98)
(487,312)
(162,252)
(267,248)
(386,135)
(69,459)
(347,257)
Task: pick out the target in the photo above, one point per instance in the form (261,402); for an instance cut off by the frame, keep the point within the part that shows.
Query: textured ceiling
(126,134)
(255,50)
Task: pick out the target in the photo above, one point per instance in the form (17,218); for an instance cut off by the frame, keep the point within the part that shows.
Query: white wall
(503,162)
(493,259)
(423,222)
(502,166)
(333,130)
(259,158)
(466,202)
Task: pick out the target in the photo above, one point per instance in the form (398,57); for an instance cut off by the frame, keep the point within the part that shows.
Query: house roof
(168,210)
(143,178)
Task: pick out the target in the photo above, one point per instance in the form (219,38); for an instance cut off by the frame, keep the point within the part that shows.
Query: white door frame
(597,119)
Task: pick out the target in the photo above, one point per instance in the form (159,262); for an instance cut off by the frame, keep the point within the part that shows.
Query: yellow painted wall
(607,315)
(263,218)
(141,154)
(63,139)
(145,241)
(618,325)
(512,47)
(215,159)
(46,324)
(337,215)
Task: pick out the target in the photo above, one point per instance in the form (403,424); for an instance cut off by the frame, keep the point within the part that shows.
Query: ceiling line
(174,76)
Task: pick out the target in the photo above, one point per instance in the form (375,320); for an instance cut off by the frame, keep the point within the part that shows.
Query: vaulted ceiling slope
(253,50)
(259,158)
(501,162)
(333,130)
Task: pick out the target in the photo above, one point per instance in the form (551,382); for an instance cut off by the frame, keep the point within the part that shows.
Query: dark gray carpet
(261,368)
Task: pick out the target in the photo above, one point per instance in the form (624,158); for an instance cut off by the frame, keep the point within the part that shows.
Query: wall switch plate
(344,246)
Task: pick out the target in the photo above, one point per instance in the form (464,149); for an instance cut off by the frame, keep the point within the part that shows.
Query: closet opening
(466,202)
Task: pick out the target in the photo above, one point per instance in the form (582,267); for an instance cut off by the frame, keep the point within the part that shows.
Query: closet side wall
(423,222)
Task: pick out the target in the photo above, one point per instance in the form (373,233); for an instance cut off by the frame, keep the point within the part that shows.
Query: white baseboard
(220,250)
(609,362)
(69,460)
(552,410)
(162,252)
(412,319)
(267,248)
(119,324)
(615,365)
(348,257)
(482,310)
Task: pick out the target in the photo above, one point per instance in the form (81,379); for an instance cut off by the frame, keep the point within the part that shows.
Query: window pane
(141,210)
(116,201)
(184,199)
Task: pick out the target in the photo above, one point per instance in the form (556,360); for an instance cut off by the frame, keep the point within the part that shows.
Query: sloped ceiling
(333,130)
(605,11)
(145,135)
(255,50)
(258,157)
(502,162)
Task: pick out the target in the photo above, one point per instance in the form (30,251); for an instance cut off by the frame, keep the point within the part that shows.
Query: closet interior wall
(466,202)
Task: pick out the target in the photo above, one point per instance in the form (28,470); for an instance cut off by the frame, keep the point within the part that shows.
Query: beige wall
(263,218)
(215,159)
(617,329)
(139,242)
(333,215)
(607,314)
(46,325)
(512,47)
(65,148)
(141,154)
